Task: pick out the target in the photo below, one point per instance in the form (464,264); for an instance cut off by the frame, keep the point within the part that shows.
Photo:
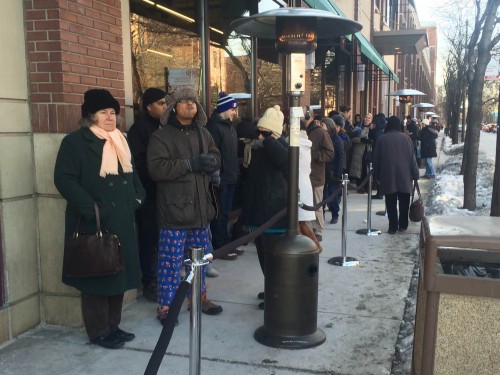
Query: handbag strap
(97,219)
(415,187)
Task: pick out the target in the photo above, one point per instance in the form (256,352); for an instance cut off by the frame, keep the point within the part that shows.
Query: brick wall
(73,45)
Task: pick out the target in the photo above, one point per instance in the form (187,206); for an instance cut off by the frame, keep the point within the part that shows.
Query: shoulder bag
(417,205)
(91,255)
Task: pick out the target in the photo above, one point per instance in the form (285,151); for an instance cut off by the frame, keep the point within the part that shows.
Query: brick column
(72,46)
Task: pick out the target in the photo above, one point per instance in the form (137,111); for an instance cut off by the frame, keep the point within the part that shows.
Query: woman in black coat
(395,167)
(94,165)
(265,190)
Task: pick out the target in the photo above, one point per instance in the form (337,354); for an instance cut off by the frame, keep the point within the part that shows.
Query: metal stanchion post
(369,231)
(194,278)
(344,260)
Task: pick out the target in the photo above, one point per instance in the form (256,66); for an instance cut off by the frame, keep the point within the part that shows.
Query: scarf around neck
(115,149)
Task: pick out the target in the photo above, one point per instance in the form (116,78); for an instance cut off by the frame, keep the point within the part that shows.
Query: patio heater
(292,263)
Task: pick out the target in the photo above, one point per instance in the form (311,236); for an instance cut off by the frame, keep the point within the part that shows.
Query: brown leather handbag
(417,206)
(91,255)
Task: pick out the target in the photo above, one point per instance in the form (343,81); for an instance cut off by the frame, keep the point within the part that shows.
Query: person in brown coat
(321,153)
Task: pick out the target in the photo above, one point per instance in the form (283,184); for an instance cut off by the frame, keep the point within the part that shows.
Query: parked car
(489,128)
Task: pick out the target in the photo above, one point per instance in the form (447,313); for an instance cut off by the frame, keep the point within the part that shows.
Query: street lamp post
(291,272)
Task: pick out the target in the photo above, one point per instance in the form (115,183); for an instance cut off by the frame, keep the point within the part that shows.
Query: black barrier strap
(168,329)
(321,204)
(363,183)
(221,251)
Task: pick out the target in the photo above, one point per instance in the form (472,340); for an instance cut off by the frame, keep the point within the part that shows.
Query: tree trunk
(495,195)
(475,95)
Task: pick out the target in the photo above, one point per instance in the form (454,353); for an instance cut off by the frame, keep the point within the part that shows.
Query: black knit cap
(152,95)
(96,99)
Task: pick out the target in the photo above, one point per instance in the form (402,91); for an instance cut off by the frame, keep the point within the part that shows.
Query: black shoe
(392,231)
(260,295)
(402,230)
(334,220)
(124,336)
(261,306)
(378,196)
(108,341)
(319,237)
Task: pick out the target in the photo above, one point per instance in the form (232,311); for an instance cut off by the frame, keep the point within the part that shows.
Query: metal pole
(369,210)
(368,231)
(293,165)
(345,181)
(344,260)
(195,317)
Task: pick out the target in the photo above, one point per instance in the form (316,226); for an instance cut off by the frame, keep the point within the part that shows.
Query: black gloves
(202,163)
(366,140)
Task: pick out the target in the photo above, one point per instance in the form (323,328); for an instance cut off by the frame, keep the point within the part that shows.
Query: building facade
(55,50)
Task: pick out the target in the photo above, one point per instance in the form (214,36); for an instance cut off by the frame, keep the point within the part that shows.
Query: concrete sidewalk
(359,309)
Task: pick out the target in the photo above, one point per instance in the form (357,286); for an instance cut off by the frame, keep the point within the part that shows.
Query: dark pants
(334,205)
(219,225)
(391,203)
(101,314)
(262,244)
(147,235)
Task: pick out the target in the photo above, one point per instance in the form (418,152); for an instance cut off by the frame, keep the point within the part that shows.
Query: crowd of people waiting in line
(178,175)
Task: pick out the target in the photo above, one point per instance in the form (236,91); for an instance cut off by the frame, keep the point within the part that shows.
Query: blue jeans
(218,226)
(429,167)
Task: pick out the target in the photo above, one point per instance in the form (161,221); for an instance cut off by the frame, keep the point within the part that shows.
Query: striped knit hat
(225,102)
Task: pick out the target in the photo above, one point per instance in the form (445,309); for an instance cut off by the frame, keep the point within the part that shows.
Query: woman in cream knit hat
(265,189)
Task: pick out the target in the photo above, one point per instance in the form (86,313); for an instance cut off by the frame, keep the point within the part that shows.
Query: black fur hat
(96,99)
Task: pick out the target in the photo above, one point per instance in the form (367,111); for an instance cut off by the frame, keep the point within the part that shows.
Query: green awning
(371,53)
(367,48)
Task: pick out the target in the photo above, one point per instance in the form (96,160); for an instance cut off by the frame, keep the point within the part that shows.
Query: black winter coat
(138,138)
(428,143)
(265,189)
(334,169)
(224,134)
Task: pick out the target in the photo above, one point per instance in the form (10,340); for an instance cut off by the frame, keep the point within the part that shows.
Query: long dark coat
(76,176)
(394,163)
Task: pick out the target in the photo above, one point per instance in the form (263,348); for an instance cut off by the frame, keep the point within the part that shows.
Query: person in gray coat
(395,167)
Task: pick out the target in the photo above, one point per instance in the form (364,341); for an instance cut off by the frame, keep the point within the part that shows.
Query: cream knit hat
(272,120)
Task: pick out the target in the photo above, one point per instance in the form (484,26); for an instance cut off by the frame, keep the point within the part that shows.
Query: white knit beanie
(272,120)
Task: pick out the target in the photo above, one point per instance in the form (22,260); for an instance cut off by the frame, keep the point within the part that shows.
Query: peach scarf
(115,149)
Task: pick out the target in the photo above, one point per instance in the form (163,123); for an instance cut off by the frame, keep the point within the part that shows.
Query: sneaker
(229,256)
(334,220)
(210,308)
(211,271)
(162,317)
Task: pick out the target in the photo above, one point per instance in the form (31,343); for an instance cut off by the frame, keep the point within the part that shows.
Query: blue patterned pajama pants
(173,247)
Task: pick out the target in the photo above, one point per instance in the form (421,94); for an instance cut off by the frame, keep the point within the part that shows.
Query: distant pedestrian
(395,168)
(428,148)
